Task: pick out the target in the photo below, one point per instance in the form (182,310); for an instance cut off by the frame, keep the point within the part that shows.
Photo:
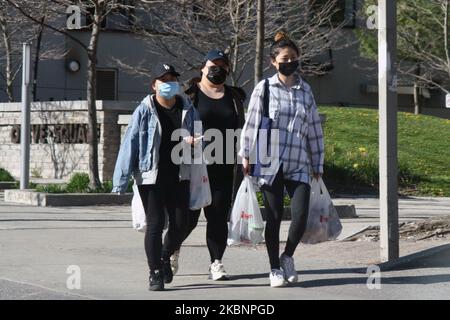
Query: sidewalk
(38,244)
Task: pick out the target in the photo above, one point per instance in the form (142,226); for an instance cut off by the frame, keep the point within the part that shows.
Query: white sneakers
(288,267)
(276,277)
(174,261)
(217,271)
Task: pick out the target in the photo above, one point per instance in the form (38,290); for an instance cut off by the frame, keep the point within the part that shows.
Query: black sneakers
(167,269)
(156,280)
(160,276)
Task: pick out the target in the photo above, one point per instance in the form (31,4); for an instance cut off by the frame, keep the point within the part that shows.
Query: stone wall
(60,160)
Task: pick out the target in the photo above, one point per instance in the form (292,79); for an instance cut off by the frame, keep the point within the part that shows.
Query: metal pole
(260,25)
(387,83)
(25,130)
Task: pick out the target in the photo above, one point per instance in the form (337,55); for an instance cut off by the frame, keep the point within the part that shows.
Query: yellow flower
(362,149)
(355,165)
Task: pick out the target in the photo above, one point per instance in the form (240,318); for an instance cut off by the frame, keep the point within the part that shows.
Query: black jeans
(273,200)
(171,195)
(221,183)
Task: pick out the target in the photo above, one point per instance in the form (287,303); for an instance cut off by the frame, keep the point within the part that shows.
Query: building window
(206,11)
(345,12)
(106,84)
(122,18)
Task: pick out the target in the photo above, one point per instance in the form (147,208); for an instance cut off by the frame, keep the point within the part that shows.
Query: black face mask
(217,75)
(288,68)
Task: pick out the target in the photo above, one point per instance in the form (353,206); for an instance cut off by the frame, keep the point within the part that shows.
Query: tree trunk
(9,76)
(446,36)
(417,100)
(92,128)
(259,55)
(7,43)
(36,58)
(91,101)
(234,48)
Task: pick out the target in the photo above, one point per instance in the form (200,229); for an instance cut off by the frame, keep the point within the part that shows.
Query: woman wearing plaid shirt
(294,116)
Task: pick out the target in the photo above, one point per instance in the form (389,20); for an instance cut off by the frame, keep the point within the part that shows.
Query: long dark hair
(282,41)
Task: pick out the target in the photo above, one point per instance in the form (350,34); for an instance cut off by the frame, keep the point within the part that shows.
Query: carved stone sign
(57,133)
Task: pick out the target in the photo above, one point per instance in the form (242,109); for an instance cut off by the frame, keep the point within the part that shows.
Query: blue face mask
(168,90)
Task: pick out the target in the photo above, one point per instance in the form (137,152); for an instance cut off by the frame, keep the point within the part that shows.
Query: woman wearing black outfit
(221,108)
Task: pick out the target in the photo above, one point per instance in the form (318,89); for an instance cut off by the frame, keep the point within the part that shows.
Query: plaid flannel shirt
(294,113)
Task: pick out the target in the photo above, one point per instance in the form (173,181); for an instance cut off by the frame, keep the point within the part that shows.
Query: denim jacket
(138,154)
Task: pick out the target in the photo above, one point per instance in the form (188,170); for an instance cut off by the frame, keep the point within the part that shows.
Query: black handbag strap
(192,121)
(266,99)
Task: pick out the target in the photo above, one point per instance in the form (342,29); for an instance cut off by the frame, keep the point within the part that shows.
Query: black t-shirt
(170,120)
(218,114)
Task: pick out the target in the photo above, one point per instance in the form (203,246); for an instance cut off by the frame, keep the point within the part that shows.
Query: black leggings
(273,200)
(171,195)
(216,213)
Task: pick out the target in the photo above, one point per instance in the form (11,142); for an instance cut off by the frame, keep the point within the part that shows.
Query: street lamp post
(25,130)
(387,83)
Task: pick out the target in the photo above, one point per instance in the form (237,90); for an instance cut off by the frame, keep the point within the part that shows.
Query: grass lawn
(351,157)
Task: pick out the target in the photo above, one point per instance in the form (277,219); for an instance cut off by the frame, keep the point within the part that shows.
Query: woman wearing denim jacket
(163,181)
(294,114)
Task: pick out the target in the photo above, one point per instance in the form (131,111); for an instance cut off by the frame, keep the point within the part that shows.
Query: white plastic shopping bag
(246,224)
(200,191)
(138,212)
(323,221)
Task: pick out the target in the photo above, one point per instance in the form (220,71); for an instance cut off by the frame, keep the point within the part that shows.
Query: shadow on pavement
(425,279)
(302,272)
(436,257)
(217,285)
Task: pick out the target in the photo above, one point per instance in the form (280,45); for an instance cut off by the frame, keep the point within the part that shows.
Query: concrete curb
(344,212)
(390,265)
(33,198)
(370,227)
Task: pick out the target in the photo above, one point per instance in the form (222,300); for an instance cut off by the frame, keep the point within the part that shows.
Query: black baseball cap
(164,68)
(216,55)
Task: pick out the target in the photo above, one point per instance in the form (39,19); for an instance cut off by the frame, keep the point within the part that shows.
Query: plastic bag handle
(315,186)
(324,189)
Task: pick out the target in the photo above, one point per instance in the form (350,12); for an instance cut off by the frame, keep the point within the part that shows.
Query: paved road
(37,246)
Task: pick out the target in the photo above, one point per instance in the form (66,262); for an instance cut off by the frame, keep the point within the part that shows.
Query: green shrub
(5,176)
(259,196)
(50,188)
(78,183)
(107,187)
